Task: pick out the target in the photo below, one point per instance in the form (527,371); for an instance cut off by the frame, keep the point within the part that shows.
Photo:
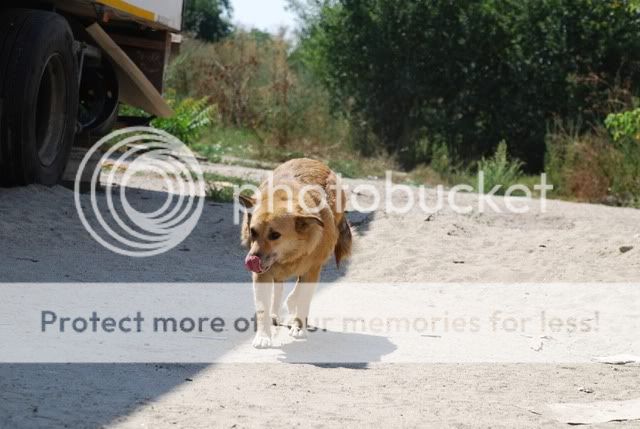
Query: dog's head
(278,232)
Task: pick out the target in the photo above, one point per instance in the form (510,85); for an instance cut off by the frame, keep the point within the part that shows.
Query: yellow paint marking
(130,9)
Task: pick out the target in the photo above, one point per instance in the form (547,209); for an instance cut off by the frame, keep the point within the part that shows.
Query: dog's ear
(247,202)
(245,231)
(303,221)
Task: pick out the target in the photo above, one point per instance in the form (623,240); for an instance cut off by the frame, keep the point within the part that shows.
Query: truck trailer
(66,65)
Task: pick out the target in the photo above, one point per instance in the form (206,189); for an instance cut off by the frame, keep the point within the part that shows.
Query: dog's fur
(303,241)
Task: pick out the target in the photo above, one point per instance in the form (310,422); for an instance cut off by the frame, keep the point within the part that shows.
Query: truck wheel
(38,96)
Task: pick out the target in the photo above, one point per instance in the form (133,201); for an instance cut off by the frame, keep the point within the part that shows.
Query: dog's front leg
(262,292)
(276,302)
(300,300)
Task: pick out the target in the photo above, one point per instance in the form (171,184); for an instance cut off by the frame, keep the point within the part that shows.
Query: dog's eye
(254,234)
(274,235)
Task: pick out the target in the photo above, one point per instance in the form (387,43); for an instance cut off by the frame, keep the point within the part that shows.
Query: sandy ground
(41,240)
(277,395)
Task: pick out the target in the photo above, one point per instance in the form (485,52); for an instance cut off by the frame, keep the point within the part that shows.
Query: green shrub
(624,125)
(251,79)
(271,107)
(207,19)
(500,170)
(441,160)
(594,167)
(442,168)
(474,72)
(623,166)
(191,117)
(562,143)
(576,164)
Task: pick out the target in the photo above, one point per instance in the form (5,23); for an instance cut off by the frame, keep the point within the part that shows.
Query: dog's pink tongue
(252,263)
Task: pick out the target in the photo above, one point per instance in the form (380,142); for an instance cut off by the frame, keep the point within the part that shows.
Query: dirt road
(41,240)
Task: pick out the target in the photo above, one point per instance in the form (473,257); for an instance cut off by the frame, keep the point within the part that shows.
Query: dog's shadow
(331,349)
(337,349)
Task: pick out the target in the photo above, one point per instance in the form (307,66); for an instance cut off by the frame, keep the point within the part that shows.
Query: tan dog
(295,223)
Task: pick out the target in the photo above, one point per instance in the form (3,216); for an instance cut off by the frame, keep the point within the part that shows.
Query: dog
(292,225)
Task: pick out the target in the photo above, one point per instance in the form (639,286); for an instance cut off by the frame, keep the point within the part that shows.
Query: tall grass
(270,107)
(594,167)
(500,170)
(249,78)
(190,119)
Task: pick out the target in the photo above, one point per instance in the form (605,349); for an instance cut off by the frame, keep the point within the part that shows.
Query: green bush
(594,167)
(624,169)
(623,163)
(271,107)
(191,117)
(473,72)
(500,170)
(624,125)
(207,19)
(562,145)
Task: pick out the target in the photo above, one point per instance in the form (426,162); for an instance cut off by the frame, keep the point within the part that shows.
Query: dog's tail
(343,245)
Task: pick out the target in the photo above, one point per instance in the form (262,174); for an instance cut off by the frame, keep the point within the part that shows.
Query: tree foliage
(207,19)
(471,73)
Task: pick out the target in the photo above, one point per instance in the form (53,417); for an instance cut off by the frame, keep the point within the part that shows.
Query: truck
(65,67)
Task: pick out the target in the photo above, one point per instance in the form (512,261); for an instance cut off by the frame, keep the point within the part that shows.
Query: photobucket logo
(516,198)
(393,198)
(132,153)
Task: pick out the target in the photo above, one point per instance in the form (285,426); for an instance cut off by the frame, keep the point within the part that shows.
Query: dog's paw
(293,320)
(261,341)
(275,320)
(297,332)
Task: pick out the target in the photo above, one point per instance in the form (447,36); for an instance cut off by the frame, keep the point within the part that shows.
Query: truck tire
(38,96)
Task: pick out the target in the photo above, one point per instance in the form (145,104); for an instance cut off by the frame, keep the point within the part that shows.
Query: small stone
(625,249)
(536,345)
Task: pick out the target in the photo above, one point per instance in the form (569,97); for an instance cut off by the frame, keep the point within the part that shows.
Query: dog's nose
(258,254)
